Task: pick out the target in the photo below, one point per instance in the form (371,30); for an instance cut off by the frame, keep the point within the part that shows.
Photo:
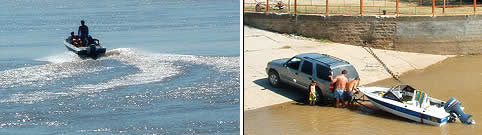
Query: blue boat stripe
(407,111)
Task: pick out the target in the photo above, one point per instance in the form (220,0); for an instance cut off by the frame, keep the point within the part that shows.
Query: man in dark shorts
(349,93)
(83,32)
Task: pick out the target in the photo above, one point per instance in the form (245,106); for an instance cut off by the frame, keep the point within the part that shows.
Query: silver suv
(301,69)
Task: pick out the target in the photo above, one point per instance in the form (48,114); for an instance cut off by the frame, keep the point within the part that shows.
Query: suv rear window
(323,72)
(307,68)
(352,74)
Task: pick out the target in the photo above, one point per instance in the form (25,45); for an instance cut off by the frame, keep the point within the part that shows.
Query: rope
(370,51)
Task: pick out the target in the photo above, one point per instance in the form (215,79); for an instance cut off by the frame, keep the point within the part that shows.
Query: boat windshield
(403,88)
(400,93)
(393,96)
(407,94)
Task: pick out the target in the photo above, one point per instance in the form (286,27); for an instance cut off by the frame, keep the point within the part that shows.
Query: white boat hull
(432,116)
(91,51)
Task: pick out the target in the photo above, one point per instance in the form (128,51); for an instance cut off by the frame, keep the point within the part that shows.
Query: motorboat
(91,49)
(408,102)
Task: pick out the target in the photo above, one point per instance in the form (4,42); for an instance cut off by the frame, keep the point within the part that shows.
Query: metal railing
(366,7)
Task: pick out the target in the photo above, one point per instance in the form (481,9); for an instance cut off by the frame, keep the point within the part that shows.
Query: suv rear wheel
(273,78)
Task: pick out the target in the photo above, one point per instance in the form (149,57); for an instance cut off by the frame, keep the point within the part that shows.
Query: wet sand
(459,77)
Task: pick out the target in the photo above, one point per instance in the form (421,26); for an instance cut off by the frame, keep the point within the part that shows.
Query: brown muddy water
(459,77)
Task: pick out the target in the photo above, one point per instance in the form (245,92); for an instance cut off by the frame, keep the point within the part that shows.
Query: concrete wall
(440,35)
(283,23)
(425,34)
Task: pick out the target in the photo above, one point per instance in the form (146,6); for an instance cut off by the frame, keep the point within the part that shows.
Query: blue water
(172,67)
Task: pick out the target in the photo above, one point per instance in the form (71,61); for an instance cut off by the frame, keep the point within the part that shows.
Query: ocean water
(172,67)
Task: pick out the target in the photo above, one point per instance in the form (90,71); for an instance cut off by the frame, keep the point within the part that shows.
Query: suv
(301,69)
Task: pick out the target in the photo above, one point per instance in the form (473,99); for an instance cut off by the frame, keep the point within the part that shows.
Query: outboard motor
(453,106)
(92,50)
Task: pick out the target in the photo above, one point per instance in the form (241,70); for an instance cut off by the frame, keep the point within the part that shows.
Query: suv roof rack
(338,59)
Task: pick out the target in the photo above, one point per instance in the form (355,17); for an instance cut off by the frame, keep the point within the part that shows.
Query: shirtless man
(349,94)
(340,81)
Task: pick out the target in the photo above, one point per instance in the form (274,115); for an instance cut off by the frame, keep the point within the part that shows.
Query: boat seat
(420,98)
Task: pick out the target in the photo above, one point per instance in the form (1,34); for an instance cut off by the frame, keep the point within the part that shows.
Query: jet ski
(91,49)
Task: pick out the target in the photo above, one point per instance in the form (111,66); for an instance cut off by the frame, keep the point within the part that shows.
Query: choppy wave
(149,68)
(40,75)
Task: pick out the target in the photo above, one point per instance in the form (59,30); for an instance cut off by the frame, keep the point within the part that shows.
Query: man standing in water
(340,82)
(83,32)
(349,94)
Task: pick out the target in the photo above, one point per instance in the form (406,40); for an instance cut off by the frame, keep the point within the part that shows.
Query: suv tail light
(332,87)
